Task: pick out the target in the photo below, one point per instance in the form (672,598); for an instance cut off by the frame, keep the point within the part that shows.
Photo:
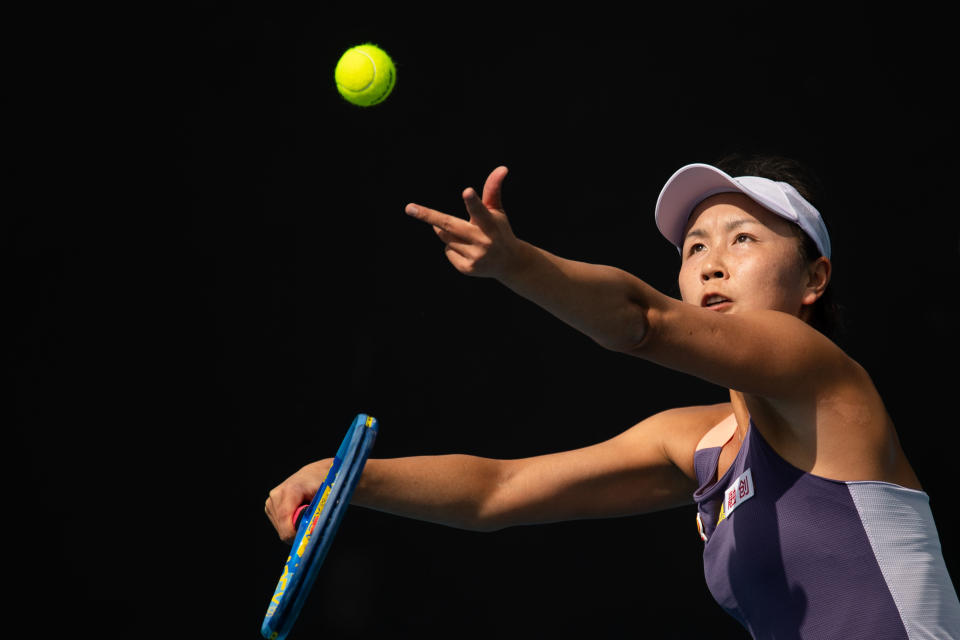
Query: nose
(712,269)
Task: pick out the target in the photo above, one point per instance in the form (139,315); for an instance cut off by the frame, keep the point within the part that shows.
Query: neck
(741,412)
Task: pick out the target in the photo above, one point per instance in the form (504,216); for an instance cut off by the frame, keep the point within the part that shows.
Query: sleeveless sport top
(793,555)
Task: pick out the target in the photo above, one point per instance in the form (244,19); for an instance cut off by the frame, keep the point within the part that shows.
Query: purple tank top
(792,555)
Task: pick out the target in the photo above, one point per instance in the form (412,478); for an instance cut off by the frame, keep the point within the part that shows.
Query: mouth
(715,301)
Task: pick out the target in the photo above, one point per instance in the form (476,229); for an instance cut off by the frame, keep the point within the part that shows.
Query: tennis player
(802,467)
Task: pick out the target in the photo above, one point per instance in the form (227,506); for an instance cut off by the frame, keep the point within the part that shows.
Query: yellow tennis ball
(365,75)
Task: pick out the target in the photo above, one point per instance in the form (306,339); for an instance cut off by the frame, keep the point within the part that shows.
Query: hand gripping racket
(316,530)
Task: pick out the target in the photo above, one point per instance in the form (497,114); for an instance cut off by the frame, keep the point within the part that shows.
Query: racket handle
(298,514)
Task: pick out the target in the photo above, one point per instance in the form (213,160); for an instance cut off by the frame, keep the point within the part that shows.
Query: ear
(818,277)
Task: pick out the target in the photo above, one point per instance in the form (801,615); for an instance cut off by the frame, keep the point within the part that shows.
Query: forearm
(607,304)
(446,489)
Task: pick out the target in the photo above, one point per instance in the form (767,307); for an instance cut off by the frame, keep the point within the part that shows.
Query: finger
(458,260)
(479,214)
(284,528)
(279,514)
(270,508)
(451,238)
(451,224)
(466,251)
(493,189)
(445,236)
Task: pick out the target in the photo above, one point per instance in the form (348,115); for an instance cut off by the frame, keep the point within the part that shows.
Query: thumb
(493,188)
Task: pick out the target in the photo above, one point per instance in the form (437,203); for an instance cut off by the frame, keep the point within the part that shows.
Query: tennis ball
(365,75)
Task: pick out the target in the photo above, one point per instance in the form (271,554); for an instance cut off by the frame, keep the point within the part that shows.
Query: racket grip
(298,514)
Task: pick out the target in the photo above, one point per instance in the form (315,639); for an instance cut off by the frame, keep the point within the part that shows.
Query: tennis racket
(316,527)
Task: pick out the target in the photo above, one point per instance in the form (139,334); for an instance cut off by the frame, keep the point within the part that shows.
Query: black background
(213,273)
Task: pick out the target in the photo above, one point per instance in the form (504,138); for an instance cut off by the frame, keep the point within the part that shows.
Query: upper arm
(767,353)
(649,467)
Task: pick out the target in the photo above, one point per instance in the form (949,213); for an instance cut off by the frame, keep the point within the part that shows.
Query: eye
(742,237)
(696,247)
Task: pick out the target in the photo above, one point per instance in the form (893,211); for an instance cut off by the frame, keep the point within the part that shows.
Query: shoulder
(708,414)
(842,432)
(761,352)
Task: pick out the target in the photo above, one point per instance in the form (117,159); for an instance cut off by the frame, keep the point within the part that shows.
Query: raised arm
(647,468)
(605,303)
(767,353)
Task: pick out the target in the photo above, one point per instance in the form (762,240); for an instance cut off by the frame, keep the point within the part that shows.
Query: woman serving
(813,521)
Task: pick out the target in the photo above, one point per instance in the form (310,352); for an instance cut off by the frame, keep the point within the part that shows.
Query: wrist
(521,262)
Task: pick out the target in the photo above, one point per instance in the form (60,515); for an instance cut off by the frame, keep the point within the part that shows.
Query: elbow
(488,518)
(485,526)
(634,334)
(478,521)
(494,510)
(636,316)
(642,342)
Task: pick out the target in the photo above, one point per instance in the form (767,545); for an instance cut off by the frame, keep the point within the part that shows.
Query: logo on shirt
(736,494)
(703,536)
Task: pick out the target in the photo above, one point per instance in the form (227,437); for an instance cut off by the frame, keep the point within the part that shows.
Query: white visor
(694,183)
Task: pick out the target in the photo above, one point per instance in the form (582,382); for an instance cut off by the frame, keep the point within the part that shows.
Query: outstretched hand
(483,245)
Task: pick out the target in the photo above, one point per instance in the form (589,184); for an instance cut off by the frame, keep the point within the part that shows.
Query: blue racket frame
(317,528)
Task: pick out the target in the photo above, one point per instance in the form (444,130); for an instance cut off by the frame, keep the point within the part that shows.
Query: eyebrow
(730,226)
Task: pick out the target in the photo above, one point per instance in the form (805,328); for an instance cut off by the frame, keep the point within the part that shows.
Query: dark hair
(826,315)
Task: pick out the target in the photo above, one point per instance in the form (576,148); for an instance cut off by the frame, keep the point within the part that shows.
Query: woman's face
(738,256)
